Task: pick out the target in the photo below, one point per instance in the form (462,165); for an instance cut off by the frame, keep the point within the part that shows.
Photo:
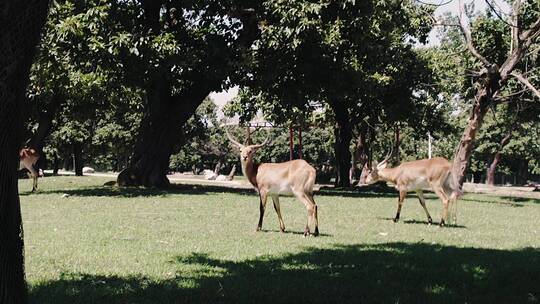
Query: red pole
(291,144)
(300,142)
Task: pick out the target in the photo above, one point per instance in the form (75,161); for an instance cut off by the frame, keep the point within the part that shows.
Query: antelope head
(373,171)
(247,152)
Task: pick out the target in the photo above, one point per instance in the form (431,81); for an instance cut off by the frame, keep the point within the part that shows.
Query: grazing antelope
(295,177)
(434,173)
(28,158)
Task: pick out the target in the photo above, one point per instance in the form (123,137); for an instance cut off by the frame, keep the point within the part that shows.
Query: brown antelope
(295,177)
(434,173)
(28,158)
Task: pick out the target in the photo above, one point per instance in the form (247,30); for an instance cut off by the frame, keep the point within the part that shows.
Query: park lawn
(198,244)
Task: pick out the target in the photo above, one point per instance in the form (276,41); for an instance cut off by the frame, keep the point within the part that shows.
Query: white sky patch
(453,8)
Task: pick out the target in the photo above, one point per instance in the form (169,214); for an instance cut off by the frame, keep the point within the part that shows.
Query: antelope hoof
(430,221)
(396,220)
(282,230)
(442,224)
(316,233)
(307,233)
(258,228)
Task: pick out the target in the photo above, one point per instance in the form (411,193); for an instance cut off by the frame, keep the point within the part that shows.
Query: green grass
(198,244)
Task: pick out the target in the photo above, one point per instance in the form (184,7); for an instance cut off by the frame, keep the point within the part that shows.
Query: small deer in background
(295,177)
(28,158)
(434,173)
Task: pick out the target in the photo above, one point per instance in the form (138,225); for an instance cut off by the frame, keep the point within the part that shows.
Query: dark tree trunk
(523,172)
(359,156)
(397,142)
(68,162)
(490,179)
(77,159)
(160,131)
(45,123)
(56,164)
(21,23)
(343,135)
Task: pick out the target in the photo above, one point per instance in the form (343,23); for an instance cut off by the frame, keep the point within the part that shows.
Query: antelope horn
(266,141)
(232,139)
(385,160)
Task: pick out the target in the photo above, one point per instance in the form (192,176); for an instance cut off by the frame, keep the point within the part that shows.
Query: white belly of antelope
(418,184)
(280,189)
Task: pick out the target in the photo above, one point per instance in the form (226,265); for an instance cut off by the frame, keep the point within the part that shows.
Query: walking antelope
(295,177)
(28,158)
(434,173)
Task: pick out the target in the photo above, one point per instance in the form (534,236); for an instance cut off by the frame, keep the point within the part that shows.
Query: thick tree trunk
(77,159)
(343,135)
(490,179)
(21,24)
(160,131)
(483,100)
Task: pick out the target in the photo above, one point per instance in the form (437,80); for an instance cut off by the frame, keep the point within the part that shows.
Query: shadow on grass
(381,273)
(521,199)
(294,232)
(421,222)
(199,190)
(497,200)
(141,191)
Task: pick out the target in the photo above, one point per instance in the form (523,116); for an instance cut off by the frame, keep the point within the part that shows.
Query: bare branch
(526,82)
(532,32)
(442,3)
(514,29)
(508,97)
(464,26)
(525,39)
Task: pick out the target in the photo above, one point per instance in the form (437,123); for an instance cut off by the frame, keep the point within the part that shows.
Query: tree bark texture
(160,131)
(490,179)
(483,99)
(359,156)
(343,135)
(21,23)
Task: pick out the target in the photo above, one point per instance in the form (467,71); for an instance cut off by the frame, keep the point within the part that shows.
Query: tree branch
(514,29)
(532,32)
(526,82)
(467,35)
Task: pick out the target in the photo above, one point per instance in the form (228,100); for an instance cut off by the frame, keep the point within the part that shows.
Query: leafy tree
(184,51)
